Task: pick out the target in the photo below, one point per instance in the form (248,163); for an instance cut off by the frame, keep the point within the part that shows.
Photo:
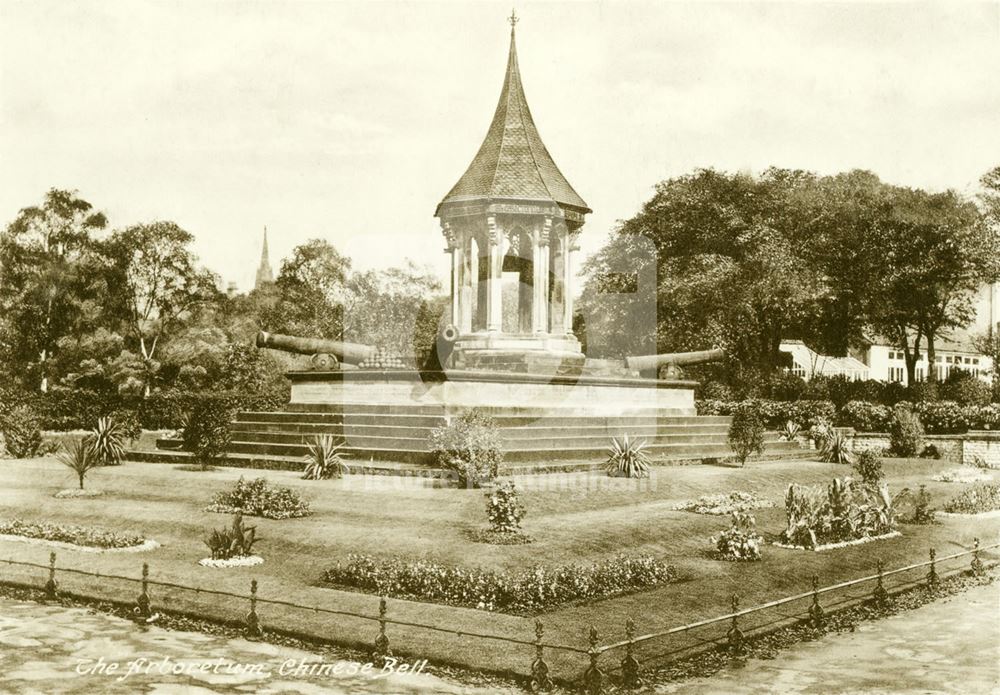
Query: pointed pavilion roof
(513,162)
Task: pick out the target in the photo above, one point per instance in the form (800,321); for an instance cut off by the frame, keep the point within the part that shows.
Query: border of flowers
(842,544)
(143,547)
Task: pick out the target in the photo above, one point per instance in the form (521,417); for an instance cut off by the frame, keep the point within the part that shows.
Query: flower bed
(975,500)
(71,535)
(532,589)
(240,561)
(844,511)
(735,501)
(841,544)
(965,474)
(257,498)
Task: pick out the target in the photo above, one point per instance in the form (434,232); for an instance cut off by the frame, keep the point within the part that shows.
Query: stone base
(458,391)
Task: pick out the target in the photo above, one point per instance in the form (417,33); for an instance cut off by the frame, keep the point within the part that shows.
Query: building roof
(513,162)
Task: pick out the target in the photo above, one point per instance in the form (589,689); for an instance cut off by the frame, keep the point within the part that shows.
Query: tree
(312,289)
(159,283)
(51,278)
(730,269)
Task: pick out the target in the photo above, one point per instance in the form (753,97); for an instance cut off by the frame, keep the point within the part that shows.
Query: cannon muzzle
(351,353)
(674,359)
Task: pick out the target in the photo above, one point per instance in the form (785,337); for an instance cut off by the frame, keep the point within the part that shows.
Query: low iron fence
(627,670)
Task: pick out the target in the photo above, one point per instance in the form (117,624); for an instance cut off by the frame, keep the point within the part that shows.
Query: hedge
(62,409)
(937,417)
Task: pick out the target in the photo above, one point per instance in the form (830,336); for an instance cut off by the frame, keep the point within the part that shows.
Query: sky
(349,121)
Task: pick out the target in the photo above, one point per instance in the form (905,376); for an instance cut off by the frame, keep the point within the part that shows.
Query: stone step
(502,421)
(308,430)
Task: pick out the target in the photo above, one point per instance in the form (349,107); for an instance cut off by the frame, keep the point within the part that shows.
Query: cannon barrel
(677,359)
(351,353)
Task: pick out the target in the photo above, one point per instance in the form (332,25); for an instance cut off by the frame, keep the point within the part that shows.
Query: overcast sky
(350,121)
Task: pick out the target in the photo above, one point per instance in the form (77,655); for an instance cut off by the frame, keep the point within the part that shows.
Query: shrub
(906,435)
(236,541)
(469,446)
(841,512)
(77,535)
(866,417)
(790,431)
(975,500)
(922,511)
(324,460)
(627,459)
(837,448)
(820,433)
(922,392)
(746,434)
(128,423)
(106,442)
(869,467)
(504,508)
(725,503)
(531,589)
(22,432)
(206,432)
(257,498)
(79,457)
(944,417)
(740,542)
(965,389)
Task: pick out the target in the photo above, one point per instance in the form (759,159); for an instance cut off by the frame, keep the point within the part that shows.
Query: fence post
(880,595)
(630,665)
(382,641)
(50,585)
(142,607)
(816,613)
(252,630)
(540,681)
(932,576)
(977,566)
(735,634)
(593,679)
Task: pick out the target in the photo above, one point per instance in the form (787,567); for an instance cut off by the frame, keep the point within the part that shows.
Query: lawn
(575,518)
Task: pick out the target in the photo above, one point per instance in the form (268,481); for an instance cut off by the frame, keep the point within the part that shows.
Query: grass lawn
(575,518)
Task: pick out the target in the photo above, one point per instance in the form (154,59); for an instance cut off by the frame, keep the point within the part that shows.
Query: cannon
(329,354)
(672,361)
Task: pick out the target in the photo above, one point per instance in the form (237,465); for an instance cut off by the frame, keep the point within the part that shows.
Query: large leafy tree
(159,285)
(50,279)
(729,266)
(395,308)
(312,291)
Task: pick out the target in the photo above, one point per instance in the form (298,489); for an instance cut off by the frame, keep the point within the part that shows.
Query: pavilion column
(540,262)
(557,287)
(456,271)
(465,284)
(567,271)
(494,292)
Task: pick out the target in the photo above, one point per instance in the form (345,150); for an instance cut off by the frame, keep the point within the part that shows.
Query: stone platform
(385,418)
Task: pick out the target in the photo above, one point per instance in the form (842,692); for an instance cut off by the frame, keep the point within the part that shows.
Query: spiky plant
(79,457)
(627,458)
(232,542)
(324,459)
(790,431)
(837,449)
(108,442)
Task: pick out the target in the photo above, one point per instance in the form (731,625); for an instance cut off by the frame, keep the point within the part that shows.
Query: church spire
(265,276)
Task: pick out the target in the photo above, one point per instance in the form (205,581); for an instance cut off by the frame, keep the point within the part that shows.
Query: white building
(884,362)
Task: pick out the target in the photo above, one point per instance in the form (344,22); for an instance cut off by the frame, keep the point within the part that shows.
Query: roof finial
(513,19)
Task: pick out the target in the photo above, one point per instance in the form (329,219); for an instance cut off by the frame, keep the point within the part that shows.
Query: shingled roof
(513,162)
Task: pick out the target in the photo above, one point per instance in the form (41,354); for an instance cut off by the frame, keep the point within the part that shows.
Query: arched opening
(517,283)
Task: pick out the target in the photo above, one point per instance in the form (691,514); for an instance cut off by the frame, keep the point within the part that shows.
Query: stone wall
(978,447)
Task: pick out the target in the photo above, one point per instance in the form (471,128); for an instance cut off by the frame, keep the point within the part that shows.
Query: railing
(594,678)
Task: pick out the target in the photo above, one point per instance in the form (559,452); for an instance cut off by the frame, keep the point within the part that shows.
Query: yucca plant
(790,431)
(837,449)
(627,458)
(324,459)
(108,442)
(79,457)
(232,542)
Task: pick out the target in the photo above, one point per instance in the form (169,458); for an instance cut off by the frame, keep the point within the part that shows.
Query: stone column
(456,272)
(494,296)
(567,269)
(465,283)
(540,255)
(557,286)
